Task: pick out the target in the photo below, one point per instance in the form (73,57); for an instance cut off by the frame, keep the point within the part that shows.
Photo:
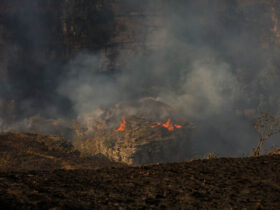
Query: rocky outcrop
(140,143)
(144,132)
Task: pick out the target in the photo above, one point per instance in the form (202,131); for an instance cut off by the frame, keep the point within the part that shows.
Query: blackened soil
(226,183)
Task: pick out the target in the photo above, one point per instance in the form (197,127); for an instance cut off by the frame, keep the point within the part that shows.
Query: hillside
(21,151)
(226,183)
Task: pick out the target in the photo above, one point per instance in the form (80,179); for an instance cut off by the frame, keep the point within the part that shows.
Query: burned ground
(226,183)
(45,172)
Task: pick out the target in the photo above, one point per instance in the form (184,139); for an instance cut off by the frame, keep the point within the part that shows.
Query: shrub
(212,155)
(266,126)
(109,143)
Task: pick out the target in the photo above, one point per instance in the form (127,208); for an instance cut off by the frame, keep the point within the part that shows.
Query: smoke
(208,66)
(29,75)
(209,61)
(87,86)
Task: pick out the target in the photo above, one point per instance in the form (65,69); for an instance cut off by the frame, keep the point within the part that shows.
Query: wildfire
(178,126)
(168,125)
(157,124)
(123,124)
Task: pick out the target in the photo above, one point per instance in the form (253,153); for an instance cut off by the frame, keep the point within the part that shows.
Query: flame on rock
(123,124)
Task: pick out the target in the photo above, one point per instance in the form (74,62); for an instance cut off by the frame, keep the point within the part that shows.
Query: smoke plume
(209,61)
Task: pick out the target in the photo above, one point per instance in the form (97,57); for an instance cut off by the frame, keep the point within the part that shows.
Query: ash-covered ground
(227,183)
(45,172)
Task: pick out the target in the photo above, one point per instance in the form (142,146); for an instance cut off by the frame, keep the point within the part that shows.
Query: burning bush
(141,137)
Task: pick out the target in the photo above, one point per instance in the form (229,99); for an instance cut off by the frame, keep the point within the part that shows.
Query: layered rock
(63,28)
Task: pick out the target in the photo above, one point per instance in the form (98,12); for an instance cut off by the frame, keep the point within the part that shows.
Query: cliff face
(60,29)
(37,39)
(50,30)
(57,29)
(262,19)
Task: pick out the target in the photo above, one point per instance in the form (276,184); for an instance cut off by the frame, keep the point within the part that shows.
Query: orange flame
(178,126)
(123,124)
(170,126)
(167,125)
(157,124)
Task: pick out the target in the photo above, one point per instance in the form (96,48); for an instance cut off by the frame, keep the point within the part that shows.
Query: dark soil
(46,172)
(226,183)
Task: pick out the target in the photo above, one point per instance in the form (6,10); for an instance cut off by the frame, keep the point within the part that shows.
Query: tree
(267,126)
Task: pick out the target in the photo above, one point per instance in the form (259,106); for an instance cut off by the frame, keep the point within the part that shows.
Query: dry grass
(22,151)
